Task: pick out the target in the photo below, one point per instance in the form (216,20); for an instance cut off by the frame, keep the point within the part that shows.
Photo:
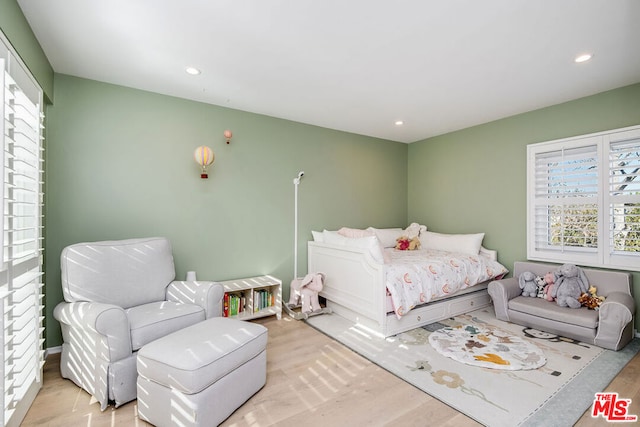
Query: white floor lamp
(296,182)
(288,308)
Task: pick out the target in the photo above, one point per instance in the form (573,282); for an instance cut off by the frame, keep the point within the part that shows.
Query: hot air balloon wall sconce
(227,135)
(204,157)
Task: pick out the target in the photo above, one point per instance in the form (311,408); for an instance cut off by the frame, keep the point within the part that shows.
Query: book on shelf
(262,298)
(234,304)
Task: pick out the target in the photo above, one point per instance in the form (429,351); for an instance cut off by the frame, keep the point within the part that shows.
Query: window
(21,340)
(583,200)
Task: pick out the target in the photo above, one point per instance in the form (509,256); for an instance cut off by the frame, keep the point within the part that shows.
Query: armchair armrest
(501,291)
(103,328)
(207,295)
(615,314)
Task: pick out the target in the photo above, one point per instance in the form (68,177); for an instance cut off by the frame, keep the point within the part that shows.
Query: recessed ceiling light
(399,122)
(193,71)
(583,58)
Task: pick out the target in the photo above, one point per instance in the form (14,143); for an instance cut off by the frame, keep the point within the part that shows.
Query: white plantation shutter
(583,200)
(623,198)
(21,274)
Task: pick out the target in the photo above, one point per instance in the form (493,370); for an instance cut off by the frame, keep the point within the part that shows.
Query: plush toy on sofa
(572,283)
(548,280)
(591,300)
(540,284)
(527,282)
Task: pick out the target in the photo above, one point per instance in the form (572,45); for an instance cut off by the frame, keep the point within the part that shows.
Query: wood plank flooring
(311,381)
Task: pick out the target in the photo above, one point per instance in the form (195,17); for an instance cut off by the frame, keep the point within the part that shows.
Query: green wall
(16,28)
(474,180)
(120,165)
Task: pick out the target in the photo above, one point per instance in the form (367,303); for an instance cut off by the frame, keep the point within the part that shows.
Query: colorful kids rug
(556,393)
(487,347)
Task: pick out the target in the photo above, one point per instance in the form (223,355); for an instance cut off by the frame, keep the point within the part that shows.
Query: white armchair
(119,296)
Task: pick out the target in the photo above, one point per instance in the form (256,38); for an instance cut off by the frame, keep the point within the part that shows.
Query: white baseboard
(52,350)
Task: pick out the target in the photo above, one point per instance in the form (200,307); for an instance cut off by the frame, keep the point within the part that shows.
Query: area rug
(555,394)
(487,347)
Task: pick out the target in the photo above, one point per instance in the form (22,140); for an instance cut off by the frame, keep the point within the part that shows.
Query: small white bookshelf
(252,297)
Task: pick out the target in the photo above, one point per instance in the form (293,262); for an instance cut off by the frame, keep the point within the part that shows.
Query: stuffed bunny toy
(527,282)
(571,283)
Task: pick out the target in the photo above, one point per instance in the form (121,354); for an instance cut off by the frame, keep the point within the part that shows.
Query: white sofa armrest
(501,291)
(615,314)
(205,294)
(104,328)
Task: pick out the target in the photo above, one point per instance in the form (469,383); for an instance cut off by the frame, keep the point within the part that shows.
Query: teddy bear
(527,282)
(571,283)
(404,243)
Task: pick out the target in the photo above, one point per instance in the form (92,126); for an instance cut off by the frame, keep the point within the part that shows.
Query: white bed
(356,288)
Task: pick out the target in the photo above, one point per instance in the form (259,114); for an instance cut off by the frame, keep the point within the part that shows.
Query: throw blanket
(417,277)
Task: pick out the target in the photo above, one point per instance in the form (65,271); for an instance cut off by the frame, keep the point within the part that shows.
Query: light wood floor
(311,381)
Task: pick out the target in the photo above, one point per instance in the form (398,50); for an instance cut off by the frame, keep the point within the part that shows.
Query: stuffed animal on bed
(406,244)
(527,282)
(572,283)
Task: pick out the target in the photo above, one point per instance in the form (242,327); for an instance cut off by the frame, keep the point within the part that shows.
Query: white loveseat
(610,327)
(119,296)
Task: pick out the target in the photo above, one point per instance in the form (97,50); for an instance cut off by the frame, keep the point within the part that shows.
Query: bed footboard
(354,280)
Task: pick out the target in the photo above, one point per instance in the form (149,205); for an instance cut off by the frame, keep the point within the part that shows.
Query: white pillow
(387,236)
(317,236)
(355,232)
(369,242)
(464,243)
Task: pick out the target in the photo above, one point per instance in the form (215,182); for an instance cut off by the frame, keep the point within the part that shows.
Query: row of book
(236,302)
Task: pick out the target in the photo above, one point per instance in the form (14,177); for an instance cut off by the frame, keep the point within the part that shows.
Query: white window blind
(583,200)
(623,199)
(21,274)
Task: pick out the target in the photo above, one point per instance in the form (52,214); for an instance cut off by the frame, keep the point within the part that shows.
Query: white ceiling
(352,65)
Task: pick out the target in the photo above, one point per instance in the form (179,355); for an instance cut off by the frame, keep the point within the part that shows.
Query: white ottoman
(199,375)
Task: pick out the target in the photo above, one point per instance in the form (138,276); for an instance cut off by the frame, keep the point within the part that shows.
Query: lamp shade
(204,157)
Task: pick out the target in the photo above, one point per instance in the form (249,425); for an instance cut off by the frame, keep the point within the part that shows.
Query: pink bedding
(417,277)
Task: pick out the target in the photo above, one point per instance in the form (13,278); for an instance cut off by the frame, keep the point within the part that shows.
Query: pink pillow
(354,232)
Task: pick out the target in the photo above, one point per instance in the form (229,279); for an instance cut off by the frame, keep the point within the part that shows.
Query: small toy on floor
(304,295)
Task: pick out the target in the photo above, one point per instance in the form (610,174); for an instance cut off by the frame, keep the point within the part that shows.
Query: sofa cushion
(148,322)
(192,359)
(550,310)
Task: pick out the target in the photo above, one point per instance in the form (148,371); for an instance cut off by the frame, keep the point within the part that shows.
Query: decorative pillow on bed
(465,243)
(355,232)
(387,236)
(369,242)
